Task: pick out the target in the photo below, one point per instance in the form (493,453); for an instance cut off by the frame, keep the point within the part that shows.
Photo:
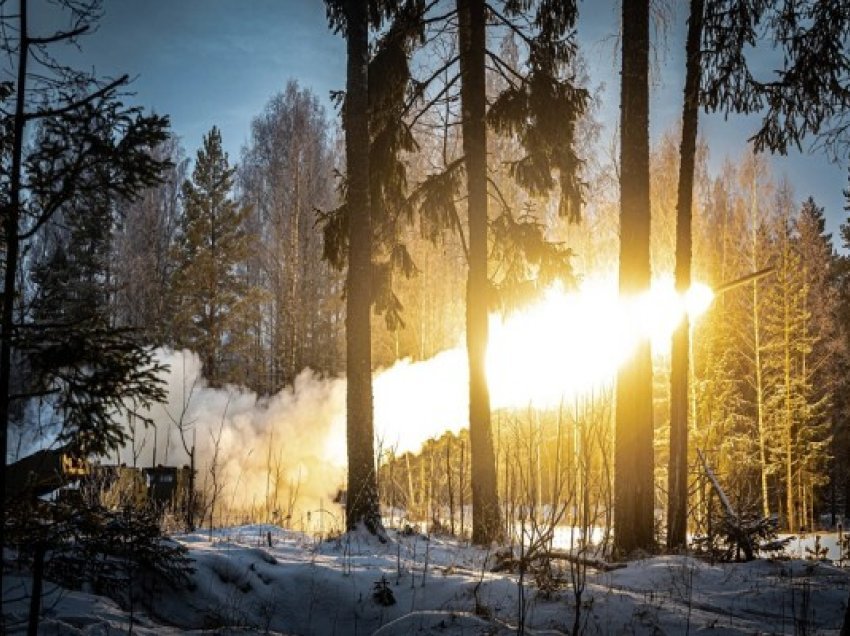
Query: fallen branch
(596,564)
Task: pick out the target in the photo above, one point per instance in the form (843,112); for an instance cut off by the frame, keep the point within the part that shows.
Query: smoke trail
(286,453)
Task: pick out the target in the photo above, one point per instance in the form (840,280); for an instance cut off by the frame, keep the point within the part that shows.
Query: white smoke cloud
(287,452)
(267,454)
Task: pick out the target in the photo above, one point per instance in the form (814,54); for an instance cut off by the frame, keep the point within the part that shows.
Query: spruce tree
(841,436)
(88,144)
(72,274)
(789,343)
(821,368)
(350,241)
(213,303)
(538,107)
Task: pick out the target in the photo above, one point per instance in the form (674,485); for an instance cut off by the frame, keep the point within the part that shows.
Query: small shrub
(382,593)
(817,552)
(408,530)
(548,582)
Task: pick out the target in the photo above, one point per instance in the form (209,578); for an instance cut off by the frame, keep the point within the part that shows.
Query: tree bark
(362,498)
(677,503)
(485,504)
(190,497)
(37,586)
(11,231)
(633,477)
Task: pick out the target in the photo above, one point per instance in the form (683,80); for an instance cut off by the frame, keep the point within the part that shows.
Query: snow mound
(302,585)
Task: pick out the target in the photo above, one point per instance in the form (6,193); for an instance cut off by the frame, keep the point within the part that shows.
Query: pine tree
(73,351)
(485,524)
(87,151)
(72,276)
(821,366)
(790,342)
(807,96)
(214,306)
(539,109)
(88,139)
(758,244)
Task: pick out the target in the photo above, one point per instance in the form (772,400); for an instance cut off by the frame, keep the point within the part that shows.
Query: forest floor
(440,585)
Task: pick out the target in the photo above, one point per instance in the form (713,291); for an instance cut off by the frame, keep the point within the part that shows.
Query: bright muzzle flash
(572,342)
(566,346)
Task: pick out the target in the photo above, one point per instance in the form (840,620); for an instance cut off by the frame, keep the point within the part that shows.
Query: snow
(304,585)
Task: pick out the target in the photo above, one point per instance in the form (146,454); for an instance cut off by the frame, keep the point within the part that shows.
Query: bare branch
(55,112)
(59,36)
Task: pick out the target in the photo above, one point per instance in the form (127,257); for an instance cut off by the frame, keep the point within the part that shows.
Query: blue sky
(217,62)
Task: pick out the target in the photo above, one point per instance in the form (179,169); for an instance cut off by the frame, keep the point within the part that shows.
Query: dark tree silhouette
(677,489)
(352,19)
(634,493)
(485,503)
(88,142)
(539,108)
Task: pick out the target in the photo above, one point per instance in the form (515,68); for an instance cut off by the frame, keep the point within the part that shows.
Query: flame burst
(569,343)
(551,352)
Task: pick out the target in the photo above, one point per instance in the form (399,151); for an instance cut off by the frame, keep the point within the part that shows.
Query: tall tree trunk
(765,505)
(757,359)
(633,477)
(485,503)
(362,501)
(788,413)
(677,503)
(462,486)
(10,229)
(295,257)
(190,498)
(846,493)
(37,587)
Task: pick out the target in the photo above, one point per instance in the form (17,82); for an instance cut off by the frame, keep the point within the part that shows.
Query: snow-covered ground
(302,585)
